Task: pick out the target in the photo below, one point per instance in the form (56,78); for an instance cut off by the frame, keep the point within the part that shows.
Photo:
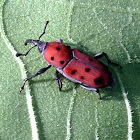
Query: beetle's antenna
(33,41)
(44,30)
(20,54)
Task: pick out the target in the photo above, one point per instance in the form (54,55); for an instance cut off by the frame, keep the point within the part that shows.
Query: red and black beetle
(75,65)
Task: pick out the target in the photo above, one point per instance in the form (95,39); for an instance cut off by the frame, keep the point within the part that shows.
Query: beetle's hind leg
(100,55)
(92,89)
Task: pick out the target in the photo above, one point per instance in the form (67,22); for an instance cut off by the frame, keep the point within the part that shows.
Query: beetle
(75,65)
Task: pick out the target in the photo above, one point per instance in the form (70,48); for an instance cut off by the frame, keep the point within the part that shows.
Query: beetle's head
(40,44)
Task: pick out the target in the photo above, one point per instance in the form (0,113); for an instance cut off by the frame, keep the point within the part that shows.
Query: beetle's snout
(41,45)
(28,41)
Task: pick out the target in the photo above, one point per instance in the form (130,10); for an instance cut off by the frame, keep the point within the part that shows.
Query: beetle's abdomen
(87,74)
(57,54)
(90,60)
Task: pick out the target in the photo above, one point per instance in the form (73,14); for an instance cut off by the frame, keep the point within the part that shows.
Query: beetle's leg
(92,89)
(34,75)
(100,55)
(43,30)
(20,54)
(58,80)
(59,40)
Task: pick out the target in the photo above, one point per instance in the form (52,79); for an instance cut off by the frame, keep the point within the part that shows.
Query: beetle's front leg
(34,75)
(100,55)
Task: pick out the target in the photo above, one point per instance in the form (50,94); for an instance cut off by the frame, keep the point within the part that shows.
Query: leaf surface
(75,113)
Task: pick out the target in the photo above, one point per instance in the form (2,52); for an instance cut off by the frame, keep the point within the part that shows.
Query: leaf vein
(24,75)
(128,108)
(69,22)
(72,100)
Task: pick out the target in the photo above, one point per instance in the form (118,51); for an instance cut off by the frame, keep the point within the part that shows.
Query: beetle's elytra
(78,67)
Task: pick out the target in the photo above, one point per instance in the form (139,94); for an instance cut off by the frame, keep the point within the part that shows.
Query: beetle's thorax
(41,45)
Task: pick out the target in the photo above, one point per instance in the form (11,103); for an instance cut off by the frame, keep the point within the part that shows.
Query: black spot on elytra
(90,59)
(58,48)
(52,58)
(82,77)
(87,69)
(73,72)
(98,81)
(61,62)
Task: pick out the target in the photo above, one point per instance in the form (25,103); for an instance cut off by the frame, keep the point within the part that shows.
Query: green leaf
(75,113)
